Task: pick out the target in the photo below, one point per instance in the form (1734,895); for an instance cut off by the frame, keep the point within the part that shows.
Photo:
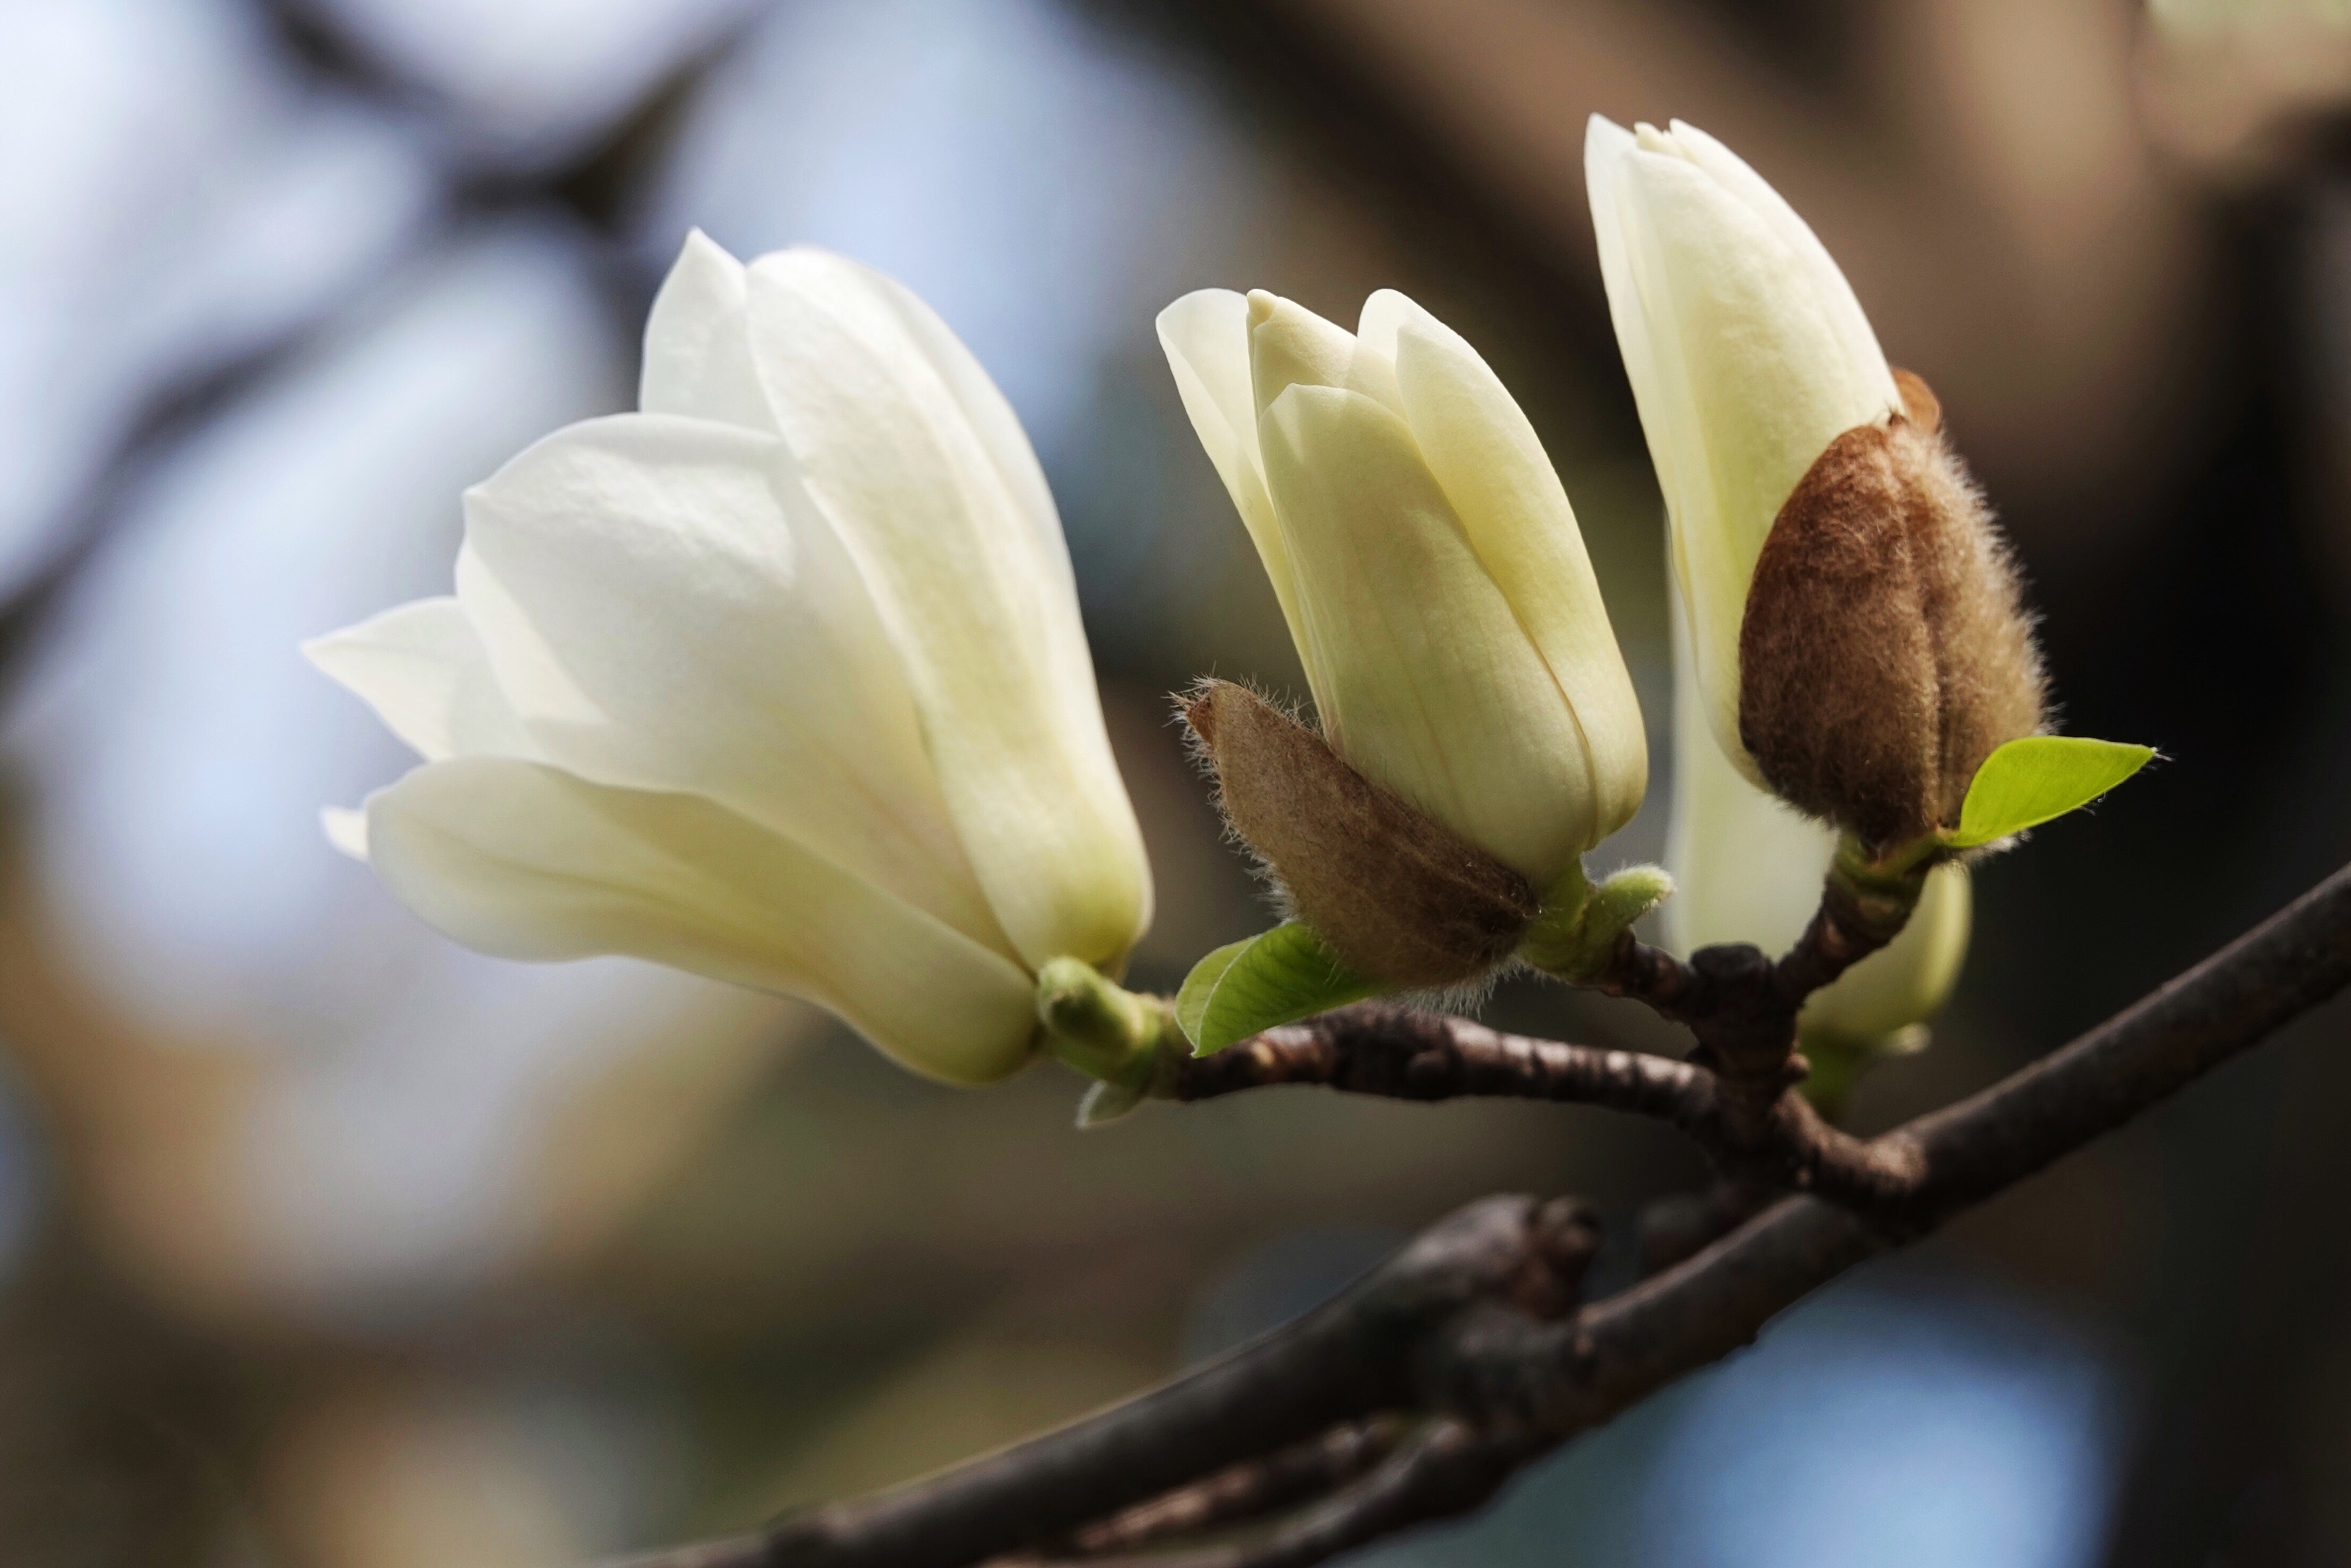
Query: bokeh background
(326,1244)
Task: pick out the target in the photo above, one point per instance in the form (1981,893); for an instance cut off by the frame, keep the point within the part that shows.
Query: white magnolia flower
(778,680)
(1746,868)
(1748,355)
(1428,564)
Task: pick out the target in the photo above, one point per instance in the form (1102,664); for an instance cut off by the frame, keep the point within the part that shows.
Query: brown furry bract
(1400,898)
(1885,650)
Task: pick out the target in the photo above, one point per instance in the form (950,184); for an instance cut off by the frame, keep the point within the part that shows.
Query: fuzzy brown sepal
(1886,651)
(1398,897)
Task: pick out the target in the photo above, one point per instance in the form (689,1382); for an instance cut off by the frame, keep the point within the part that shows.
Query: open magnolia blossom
(1438,589)
(780,680)
(1748,868)
(1855,621)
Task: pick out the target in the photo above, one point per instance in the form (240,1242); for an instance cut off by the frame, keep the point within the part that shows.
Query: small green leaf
(1275,978)
(1106,1103)
(2029,781)
(1192,999)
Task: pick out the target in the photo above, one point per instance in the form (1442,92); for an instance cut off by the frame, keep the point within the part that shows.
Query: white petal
(989,418)
(697,342)
(346,830)
(1435,691)
(1384,312)
(1487,457)
(1206,336)
(1292,346)
(973,584)
(423,669)
(528,861)
(668,610)
(1743,361)
(1838,304)
(1747,868)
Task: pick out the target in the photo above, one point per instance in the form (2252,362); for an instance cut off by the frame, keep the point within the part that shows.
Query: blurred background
(325,1244)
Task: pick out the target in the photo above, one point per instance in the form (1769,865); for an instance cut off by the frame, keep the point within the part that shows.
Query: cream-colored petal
(979,608)
(1435,691)
(1206,337)
(346,830)
(524,861)
(697,359)
(1840,307)
(1292,346)
(1491,466)
(1747,868)
(991,420)
(1743,369)
(1384,312)
(668,610)
(424,670)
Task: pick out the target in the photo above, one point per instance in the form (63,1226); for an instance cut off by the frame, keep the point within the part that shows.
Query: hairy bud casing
(1428,564)
(1397,896)
(1886,651)
(1853,620)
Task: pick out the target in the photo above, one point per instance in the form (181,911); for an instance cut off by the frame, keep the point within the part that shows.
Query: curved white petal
(346,830)
(424,670)
(1435,690)
(991,421)
(524,861)
(1206,337)
(1840,307)
(667,610)
(1292,346)
(1744,360)
(1491,466)
(974,587)
(697,359)
(1747,868)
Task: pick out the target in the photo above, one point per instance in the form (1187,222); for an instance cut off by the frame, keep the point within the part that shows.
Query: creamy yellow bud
(1854,620)
(1430,568)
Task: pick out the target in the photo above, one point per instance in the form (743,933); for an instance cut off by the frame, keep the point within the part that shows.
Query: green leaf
(1200,985)
(2029,781)
(1275,978)
(1106,1103)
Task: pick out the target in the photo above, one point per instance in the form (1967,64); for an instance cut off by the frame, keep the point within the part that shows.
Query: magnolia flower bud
(780,680)
(1748,868)
(1435,582)
(1855,619)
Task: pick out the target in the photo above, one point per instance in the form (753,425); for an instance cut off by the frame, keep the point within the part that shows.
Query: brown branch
(1386,1049)
(1448,1467)
(1249,1490)
(1735,1094)
(1463,1324)
(1780,1143)
(1349,1359)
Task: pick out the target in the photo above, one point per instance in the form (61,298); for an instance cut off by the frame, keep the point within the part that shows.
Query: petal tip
(346,829)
